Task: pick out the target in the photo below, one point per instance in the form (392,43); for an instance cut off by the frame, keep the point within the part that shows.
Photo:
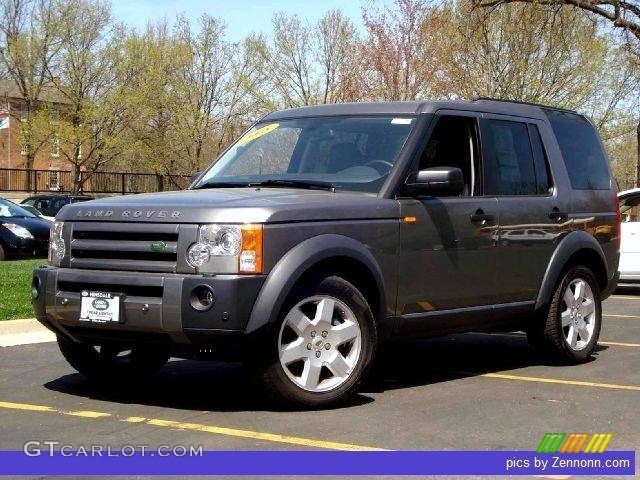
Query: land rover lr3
(326,230)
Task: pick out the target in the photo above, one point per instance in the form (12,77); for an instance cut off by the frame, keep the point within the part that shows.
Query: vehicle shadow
(426,362)
(213,386)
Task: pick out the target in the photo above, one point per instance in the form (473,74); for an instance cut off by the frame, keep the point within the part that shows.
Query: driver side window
(454,143)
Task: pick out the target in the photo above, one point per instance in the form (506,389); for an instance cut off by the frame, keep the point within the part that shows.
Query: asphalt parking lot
(468,391)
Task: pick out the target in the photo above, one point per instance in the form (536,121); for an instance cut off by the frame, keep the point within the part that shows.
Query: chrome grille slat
(126,246)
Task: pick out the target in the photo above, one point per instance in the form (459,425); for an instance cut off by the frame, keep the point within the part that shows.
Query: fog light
(202,298)
(198,254)
(35,287)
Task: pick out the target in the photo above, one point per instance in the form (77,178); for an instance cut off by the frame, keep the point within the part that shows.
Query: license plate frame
(101,307)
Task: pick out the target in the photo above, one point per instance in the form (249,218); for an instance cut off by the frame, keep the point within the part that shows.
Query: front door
(447,256)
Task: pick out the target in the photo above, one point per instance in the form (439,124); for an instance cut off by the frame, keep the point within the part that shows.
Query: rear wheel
(571,328)
(322,347)
(113,363)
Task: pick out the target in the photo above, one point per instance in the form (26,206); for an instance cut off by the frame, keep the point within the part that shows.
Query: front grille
(128,290)
(125,246)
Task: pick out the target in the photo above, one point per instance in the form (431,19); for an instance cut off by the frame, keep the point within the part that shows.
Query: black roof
(417,107)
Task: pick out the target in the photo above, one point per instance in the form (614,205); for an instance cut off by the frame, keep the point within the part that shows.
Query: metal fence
(23,180)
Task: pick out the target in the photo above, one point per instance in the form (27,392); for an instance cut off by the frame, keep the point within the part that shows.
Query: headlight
(17,230)
(57,245)
(227,249)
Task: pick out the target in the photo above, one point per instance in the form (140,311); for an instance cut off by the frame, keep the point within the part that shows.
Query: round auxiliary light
(202,298)
(198,255)
(35,288)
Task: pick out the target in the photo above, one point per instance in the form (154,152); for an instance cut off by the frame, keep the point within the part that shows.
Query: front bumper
(156,307)
(28,247)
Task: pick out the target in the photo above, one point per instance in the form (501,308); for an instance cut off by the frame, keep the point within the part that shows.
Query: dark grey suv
(326,230)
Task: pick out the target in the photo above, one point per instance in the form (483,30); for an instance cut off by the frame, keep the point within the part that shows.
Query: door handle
(556,214)
(481,217)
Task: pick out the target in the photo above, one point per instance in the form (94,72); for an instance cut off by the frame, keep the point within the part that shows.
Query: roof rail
(520,102)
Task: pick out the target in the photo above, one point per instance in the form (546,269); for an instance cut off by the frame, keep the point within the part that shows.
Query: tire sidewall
(344,291)
(585,274)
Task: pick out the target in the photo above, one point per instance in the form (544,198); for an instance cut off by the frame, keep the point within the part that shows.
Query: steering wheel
(386,166)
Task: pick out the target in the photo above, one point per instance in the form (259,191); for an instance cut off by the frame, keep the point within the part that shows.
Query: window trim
(414,163)
(528,123)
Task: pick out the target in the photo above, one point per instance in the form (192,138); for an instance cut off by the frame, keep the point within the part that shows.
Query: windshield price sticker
(257,133)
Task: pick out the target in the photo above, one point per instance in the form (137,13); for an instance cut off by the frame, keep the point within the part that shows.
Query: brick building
(12,110)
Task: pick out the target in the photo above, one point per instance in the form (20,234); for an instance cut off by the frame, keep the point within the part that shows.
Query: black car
(22,234)
(50,205)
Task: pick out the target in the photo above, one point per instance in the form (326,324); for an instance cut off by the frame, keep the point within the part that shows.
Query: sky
(241,16)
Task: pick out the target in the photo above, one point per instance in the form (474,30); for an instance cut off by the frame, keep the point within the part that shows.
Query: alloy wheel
(319,343)
(578,314)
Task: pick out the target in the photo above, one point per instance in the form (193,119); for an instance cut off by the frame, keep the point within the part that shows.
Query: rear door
(630,244)
(532,212)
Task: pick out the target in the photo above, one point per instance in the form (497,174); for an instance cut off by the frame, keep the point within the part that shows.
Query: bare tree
(334,39)
(29,35)
(402,50)
(622,14)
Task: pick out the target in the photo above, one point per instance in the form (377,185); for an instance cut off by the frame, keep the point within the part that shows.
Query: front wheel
(322,346)
(111,363)
(570,330)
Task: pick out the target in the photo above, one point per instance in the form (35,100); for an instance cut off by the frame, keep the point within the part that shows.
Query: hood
(234,205)
(38,227)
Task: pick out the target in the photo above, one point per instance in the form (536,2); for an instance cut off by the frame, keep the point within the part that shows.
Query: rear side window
(508,159)
(543,175)
(582,152)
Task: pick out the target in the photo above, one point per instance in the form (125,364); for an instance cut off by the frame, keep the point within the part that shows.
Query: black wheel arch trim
(296,262)
(568,246)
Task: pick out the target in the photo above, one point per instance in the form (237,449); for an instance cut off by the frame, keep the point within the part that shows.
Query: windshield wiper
(222,185)
(308,184)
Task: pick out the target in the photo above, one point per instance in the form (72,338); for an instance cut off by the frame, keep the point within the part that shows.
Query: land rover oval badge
(158,246)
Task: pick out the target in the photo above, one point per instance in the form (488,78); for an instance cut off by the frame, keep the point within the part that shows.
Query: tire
(103,364)
(569,332)
(302,331)
(3,256)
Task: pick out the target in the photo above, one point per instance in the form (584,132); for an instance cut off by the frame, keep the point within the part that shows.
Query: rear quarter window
(582,152)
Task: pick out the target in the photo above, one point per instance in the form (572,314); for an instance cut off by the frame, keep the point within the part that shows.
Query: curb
(23,332)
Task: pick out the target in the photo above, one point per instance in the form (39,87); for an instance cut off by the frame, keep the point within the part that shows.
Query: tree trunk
(638,156)
(76,179)
(29,160)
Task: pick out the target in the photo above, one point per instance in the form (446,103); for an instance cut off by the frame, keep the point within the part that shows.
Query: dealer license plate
(99,307)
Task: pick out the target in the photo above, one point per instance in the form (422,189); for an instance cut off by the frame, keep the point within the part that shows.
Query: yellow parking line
(270,437)
(504,376)
(26,406)
(198,427)
(600,342)
(619,344)
(620,315)
(626,297)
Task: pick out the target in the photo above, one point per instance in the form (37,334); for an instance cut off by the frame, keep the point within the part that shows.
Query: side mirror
(437,181)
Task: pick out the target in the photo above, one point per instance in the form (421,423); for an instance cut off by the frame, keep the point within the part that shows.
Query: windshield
(346,153)
(9,209)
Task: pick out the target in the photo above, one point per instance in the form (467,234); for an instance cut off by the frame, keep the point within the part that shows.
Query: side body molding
(296,262)
(570,244)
